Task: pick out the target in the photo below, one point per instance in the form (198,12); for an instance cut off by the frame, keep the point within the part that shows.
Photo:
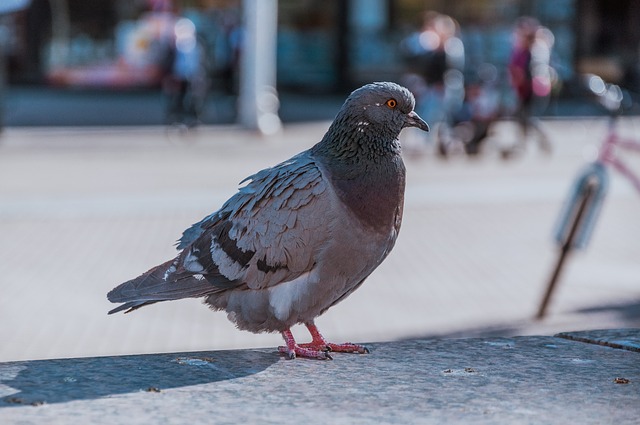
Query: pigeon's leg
(319,343)
(293,350)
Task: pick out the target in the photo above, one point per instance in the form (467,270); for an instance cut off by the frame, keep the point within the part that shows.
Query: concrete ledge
(481,380)
(625,339)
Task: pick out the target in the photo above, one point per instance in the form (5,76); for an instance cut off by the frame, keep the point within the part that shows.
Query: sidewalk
(571,378)
(82,210)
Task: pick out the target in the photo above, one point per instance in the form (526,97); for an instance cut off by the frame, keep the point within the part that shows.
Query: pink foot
(303,352)
(309,350)
(348,347)
(318,348)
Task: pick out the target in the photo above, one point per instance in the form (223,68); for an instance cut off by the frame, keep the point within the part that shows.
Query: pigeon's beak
(414,120)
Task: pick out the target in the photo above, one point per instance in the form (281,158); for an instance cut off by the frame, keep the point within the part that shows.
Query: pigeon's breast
(350,255)
(375,196)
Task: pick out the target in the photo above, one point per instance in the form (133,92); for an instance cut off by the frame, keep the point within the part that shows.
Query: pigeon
(299,237)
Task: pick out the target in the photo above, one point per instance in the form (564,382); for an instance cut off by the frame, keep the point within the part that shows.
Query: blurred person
(148,43)
(224,33)
(186,82)
(480,109)
(435,55)
(530,78)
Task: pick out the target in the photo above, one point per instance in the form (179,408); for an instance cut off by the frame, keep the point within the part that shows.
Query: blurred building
(323,45)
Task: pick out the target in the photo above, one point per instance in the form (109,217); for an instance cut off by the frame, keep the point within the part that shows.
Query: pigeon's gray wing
(267,233)
(296,174)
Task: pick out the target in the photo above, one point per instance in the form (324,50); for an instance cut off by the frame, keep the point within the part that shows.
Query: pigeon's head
(384,107)
(369,123)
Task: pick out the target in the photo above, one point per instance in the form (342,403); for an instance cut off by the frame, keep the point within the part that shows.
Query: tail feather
(130,306)
(161,283)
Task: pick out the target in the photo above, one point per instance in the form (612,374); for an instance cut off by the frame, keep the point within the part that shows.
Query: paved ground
(520,380)
(82,210)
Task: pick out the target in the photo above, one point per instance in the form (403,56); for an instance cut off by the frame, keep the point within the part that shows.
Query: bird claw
(311,351)
(318,348)
(305,352)
(348,348)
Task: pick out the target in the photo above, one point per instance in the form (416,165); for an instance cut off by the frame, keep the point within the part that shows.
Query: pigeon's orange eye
(391,103)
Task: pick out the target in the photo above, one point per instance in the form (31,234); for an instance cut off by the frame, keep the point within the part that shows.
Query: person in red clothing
(522,68)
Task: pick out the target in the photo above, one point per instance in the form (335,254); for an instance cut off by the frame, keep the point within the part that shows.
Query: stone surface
(495,380)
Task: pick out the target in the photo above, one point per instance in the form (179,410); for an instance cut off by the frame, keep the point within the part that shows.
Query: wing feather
(267,233)
(268,225)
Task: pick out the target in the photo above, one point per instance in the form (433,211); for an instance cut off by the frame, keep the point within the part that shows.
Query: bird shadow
(62,380)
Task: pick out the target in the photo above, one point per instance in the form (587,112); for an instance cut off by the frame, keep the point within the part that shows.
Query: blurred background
(84,50)
(124,121)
